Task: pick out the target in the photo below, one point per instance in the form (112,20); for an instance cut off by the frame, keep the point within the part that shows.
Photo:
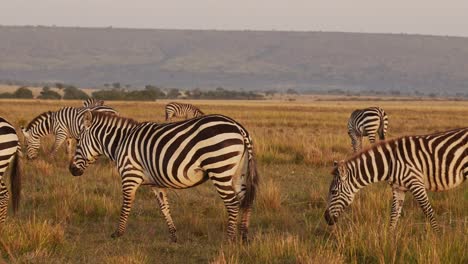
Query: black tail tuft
(251,182)
(15,180)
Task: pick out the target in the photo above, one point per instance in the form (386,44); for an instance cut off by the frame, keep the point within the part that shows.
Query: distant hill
(251,60)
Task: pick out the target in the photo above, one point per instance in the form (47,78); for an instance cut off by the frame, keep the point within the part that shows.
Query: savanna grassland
(66,219)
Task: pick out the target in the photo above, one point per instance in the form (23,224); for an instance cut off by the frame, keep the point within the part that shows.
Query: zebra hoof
(116,234)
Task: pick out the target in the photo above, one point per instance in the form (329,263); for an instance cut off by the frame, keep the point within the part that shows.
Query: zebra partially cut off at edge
(10,152)
(65,124)
(180,110)
(367,122)
(436,162)
(177,156)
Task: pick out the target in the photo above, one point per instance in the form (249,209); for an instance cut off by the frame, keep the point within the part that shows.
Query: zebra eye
(334,192)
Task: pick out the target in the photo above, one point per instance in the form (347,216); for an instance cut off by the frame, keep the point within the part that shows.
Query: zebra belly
(194,177)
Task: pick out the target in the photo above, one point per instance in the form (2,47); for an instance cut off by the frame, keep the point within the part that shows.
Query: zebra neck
(370,167)
(112,139)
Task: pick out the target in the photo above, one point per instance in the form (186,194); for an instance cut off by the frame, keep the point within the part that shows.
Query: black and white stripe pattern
(65,124)
(92,102)
(436,162)
(367,122)
(177,156)
(10,151)
(180,110)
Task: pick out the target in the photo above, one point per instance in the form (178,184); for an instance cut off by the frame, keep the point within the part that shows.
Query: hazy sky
(435,17)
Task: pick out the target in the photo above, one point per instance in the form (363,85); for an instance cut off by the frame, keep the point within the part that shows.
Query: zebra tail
(382,128)
(15,180)
(251,181)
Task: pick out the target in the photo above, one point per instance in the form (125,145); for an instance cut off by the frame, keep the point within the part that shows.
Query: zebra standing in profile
(436,162)
(182,111)
(10,151)
(92,102)
(367,122)
(65,124)
(174,155)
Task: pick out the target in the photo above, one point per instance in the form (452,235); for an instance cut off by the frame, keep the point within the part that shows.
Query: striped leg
(130,184)
(397,205)
(164,205)
(69,145)
(227,193)
(419,193)
(59,139)
(4,198)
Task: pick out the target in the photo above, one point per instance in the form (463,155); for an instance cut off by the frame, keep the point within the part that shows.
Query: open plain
(66,219)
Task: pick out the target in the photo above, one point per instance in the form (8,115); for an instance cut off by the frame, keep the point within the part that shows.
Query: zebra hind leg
(419,193)
(231,201)
(130,184)
(161,196)
(4,198)
(397,205)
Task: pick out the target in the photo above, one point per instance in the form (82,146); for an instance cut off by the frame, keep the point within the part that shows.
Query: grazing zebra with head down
(436,162)
(367,122)
(174,155)
(9,151)
(65,124)
(182,110)
(92,102)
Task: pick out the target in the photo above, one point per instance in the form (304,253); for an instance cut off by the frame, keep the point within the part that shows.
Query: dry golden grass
(66,219)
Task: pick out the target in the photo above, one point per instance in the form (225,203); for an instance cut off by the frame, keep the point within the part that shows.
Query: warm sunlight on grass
(66,219)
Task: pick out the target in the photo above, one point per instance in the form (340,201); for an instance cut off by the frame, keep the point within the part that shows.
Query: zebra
(92,102)
(182,110)
(65,124)
(367,122)
(435,162)
(176,155)
(10,152)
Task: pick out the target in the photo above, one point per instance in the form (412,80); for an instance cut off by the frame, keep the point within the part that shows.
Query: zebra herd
(184,154)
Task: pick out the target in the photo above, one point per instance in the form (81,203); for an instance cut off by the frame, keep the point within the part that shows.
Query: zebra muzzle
(75,171)
(331,219)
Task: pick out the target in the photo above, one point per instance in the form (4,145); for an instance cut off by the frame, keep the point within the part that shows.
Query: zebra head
(340,194)
(86,149)
(32,142)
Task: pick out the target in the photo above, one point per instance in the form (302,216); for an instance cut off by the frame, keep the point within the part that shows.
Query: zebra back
(92,102)
(181,110)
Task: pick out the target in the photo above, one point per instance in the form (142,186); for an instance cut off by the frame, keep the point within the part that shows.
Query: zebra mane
(371,148)
(37,118)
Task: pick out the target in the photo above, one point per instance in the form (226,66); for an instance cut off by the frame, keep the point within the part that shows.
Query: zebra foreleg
(420,194)
(4,198)
(130,184)
(59,139)
(161,196)
(397,205)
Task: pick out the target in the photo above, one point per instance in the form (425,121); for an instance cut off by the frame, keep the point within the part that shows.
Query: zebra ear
(335,164)
(87,119)
(25,133)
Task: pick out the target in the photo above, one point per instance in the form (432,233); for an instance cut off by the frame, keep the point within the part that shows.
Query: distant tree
(173,93)
(270,92)
(114,94)
(116,85)
(291,91)
(71,92)
(60,86)
(23,92)
(47,93)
